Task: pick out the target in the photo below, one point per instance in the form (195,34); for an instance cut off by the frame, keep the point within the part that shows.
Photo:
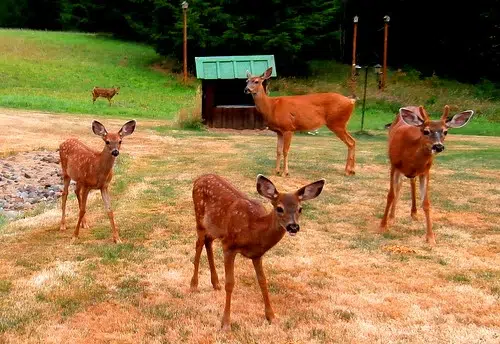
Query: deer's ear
(127,129)
(266,188)
(310,191)
(99,129)
(249,75)
(267,73)
(410,117)
(460,120)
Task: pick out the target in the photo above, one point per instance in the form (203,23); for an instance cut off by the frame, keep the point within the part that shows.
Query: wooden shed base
(236,117)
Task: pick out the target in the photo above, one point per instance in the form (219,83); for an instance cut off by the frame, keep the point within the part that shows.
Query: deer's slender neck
(263,103)
(106,160)
(272,232)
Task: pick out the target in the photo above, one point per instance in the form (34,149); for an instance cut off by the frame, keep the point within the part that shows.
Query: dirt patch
(27,179)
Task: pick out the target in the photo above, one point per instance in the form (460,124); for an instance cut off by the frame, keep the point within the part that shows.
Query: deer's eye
(255,82)
(107,142)
(427,132)
(300,210)
(445,133)
(120,142)
(280,210)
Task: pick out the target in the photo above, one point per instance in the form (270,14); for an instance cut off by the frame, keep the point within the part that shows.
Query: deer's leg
(279,152)
(78,192)
(413,184)
(426,205)
(397,188)
(261,278)
(67,180)
(390,198)
(349,141)
(287,140)
(109,100)
(210,254)
(229,272)
(83,204)
(199,248)
(107,204)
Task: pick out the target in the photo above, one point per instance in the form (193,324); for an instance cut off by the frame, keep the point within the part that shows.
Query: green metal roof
(233,67)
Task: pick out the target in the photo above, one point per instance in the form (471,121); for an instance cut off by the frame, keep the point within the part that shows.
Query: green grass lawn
(56,71)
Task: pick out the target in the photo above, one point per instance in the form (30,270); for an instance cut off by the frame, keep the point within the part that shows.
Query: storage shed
(224,103)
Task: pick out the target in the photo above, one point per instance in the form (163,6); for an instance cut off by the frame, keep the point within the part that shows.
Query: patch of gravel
(27,179)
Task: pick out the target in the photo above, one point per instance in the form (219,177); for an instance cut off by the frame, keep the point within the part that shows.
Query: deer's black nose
(438,147)
(293,228)
(247,90)
(115,152)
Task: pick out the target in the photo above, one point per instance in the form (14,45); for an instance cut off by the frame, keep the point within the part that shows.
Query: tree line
(448,38)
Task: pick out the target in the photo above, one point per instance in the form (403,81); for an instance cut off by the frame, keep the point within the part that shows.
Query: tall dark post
(353,66)
(386,32)
(364,99)
(184,10)
(354,36)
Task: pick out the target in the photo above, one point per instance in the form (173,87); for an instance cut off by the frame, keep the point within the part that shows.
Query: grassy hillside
(403,88)
(56,72)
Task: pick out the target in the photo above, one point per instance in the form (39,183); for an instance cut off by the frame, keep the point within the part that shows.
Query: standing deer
(286,115)
(414,140)
(107,93)
(244,226)
(91,170)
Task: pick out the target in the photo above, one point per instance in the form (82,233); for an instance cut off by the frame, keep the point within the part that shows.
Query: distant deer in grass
(107,93)
(91,170)
(286,115)
(244,226)
(414,140)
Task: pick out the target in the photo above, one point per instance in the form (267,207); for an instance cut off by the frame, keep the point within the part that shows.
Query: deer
(107,93)
(288,114)
(243,226)
(414,141)
(91,170)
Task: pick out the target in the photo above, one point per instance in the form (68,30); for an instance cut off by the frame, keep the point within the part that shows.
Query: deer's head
(288,205)
(256,84)
(113,141)
(116,89)
(434,131)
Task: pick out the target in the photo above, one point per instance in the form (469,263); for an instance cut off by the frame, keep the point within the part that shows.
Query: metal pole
(354,36)
(364,99)
(386,31)
(185,45)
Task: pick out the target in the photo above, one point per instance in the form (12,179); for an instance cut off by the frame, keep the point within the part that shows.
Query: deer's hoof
(62,227)
(226,326)
(383,229)
(431,240)
(117,241)
(414,216)
(350,173)
(270,316)
(217,286)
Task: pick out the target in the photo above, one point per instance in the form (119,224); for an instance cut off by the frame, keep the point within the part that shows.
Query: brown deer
(414,140)
(107,93)
(244,226)
(286,115)
(91,170)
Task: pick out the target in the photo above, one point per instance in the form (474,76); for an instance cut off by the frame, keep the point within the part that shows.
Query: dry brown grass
(338,281)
